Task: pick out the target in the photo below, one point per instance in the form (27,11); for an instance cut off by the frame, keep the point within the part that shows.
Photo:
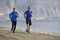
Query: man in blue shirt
(13,16)
(28,15)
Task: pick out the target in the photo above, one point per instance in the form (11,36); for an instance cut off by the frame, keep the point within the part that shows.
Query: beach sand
(6,34)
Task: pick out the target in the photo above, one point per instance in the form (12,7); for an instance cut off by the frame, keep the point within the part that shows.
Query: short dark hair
(14,8)
(28,6)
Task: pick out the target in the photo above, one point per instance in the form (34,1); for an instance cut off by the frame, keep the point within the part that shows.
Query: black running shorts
(28,22)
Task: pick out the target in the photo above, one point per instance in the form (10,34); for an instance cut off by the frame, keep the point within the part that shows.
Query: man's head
(14,9)
(28,7)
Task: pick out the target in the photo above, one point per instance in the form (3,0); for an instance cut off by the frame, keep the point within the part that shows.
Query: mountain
(42,9)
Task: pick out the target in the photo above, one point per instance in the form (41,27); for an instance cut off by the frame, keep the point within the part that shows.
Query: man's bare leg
(28,28)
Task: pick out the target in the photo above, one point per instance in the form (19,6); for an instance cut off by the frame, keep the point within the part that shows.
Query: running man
(28,15)
(13,16)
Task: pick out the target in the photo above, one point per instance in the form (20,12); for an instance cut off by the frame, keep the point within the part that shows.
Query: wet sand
(6,34)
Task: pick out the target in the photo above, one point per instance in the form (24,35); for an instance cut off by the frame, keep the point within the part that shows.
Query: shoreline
(49,33)
(6,34)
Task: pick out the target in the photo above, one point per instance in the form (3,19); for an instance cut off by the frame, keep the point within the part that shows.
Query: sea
(37,25)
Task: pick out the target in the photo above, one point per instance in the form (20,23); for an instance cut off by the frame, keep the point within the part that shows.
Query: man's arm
(31,13)
(17,15)
(25,15)
(10,15)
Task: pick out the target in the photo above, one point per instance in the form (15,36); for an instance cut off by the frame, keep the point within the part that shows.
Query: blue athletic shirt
(28,14)
(13,16)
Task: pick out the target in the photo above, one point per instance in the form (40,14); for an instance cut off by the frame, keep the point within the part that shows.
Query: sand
(6,34)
